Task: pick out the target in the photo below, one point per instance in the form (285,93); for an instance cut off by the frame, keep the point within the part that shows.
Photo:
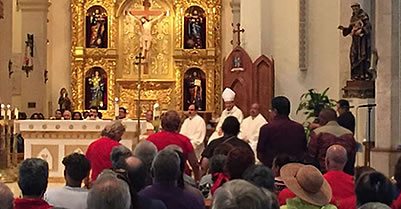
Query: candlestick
(16,113)
(3,111)
(9,112)
(116,108)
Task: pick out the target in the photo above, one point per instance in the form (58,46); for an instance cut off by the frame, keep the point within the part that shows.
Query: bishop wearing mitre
(250,126)
(230,110)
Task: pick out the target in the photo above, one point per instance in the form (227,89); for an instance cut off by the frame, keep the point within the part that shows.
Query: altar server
(230,110)
(194,127)
(250,126)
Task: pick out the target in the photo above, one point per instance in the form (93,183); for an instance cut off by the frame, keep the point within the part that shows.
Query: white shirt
(250,128)
(195,129)
(67,197)
(236,112)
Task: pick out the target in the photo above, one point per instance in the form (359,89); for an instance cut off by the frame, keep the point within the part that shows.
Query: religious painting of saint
(195,89)
(96,27)
(96,88)
(195,28)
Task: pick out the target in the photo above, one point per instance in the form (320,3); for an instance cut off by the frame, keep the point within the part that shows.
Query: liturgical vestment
(250,128)
(195,129)
(236,112)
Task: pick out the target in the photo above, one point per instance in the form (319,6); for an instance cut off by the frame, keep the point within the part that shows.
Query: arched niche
(96,27)
(194,28)
(195,89)
(96,88)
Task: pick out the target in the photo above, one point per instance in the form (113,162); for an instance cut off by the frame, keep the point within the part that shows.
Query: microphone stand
(369,139)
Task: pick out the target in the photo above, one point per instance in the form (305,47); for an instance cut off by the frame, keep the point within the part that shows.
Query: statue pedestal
(359,89)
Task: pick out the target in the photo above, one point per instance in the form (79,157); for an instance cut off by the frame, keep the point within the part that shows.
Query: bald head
(255,109)
(327,115)
(336,157)
(136,172)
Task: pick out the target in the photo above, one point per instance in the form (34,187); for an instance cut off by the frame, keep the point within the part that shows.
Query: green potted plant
(312,102)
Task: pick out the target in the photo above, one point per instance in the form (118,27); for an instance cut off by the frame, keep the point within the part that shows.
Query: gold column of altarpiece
(168,60)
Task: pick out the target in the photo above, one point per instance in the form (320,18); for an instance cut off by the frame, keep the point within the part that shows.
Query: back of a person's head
(397,173)
(238,160)
(146,151)
(374,205)
(109,192)
(33,177)
(6,197)
(136,171)
(166,166)
(344,104)
(171,121)
(373,187)
(282,159)
(77,166)
(231,126)
(282,105)
(216,163)
(223,149)
(118,153)
(360,170)
(114,130)
(260,176)
(240,194)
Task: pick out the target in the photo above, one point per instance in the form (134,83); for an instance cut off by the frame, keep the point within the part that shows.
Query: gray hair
(166,166)
(6,197)
(374,205)
(114,131)
(146,151)
(241,194)
(109,192)
(119,153)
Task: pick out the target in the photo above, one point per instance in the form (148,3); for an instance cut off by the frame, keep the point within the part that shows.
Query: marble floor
(17,192)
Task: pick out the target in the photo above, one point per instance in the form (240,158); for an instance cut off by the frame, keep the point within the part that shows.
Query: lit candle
(9,111)
(116,108)
(182,11)
(214,10)
(168,13)
(16,113)
(3,111)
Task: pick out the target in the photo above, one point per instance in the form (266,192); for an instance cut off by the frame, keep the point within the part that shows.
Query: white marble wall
(5,52)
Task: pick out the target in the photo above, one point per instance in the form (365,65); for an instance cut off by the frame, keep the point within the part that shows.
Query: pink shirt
(342,185)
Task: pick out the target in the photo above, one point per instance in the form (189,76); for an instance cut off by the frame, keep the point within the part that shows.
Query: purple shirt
(281,135)
(172,196)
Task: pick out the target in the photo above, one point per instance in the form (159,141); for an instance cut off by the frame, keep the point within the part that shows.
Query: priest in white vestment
(194,127)
(250,126)
(230,110)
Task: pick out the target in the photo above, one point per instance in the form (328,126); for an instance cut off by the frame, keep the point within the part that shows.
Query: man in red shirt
(98,152)
(342,185)
(170,122)
(32,180)
(328,134)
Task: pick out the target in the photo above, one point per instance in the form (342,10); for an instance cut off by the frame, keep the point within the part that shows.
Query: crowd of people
(246,164)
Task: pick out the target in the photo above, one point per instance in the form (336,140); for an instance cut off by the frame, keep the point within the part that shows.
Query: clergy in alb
(194,127)
(230,110)
(250,126)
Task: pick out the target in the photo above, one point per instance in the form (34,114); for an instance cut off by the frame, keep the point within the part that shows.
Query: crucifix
(238,31)
(143,17)
(139,87)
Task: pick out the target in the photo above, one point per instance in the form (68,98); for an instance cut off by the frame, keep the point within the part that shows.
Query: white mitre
(228,95)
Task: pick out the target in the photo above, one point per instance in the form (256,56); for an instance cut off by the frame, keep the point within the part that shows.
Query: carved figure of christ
(143,17)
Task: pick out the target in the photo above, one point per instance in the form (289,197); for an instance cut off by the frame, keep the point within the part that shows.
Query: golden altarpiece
(182,42)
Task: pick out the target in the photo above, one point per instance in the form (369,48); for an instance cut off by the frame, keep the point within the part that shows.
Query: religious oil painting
(96,27)
(195,89)
(96,88)
(195,28)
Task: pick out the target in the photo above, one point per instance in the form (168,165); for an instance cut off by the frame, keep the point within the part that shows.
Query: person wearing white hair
(98,152)
(240,194)
(109,192)
(230,110)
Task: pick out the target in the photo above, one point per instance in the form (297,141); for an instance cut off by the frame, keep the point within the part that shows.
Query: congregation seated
(108,192)
(33,178)
(166,170)
(260,176)
(230,128)
(281,135)
(170,122)
(6,197)
(238,160)
(308,185)
(328,134)
(72,195)
(146,151)
(240,194)
(99,151)
(37,116)
(216,166)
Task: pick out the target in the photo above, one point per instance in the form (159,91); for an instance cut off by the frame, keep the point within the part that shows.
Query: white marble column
(387,86)
(34,21)
(5,52)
